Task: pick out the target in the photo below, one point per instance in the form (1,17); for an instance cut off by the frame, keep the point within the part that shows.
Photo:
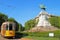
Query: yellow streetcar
(8,29)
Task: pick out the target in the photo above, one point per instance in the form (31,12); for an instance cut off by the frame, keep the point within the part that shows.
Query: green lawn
(43,35)
(42,38)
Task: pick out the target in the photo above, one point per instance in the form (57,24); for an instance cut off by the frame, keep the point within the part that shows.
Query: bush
(55,21)
(30,24)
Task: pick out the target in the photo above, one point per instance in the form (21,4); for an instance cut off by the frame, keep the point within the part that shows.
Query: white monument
(43,23)
(43,18)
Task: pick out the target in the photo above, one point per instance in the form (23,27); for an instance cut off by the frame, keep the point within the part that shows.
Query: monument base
(42,29)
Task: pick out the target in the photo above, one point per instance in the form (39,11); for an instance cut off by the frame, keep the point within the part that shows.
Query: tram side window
(6,27)
(10,26)
(3,27)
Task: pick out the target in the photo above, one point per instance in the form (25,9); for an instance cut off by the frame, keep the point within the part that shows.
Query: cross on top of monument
(42,7)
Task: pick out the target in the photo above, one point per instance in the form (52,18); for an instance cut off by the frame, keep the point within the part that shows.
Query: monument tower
(43,17)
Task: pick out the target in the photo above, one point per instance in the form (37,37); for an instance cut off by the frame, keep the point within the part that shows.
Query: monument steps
(42,29)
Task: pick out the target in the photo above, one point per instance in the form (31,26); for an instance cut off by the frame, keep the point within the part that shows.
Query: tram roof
(7,22)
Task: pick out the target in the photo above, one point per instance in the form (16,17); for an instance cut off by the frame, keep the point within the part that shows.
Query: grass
(42,35)
(42,38)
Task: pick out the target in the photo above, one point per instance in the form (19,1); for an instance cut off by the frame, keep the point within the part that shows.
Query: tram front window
(6,27)
(10,27)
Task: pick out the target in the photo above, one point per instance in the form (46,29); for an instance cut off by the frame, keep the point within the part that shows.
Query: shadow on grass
(20,35)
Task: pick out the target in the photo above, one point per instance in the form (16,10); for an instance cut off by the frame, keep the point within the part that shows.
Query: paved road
(1,38)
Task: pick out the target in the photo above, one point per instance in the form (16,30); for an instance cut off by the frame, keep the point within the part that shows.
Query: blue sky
(23,10)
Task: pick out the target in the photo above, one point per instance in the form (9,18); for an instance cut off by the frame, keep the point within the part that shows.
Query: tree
(3,18)
(59,22)
(55,21)
(21,28)
(30,24)
(18,25)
